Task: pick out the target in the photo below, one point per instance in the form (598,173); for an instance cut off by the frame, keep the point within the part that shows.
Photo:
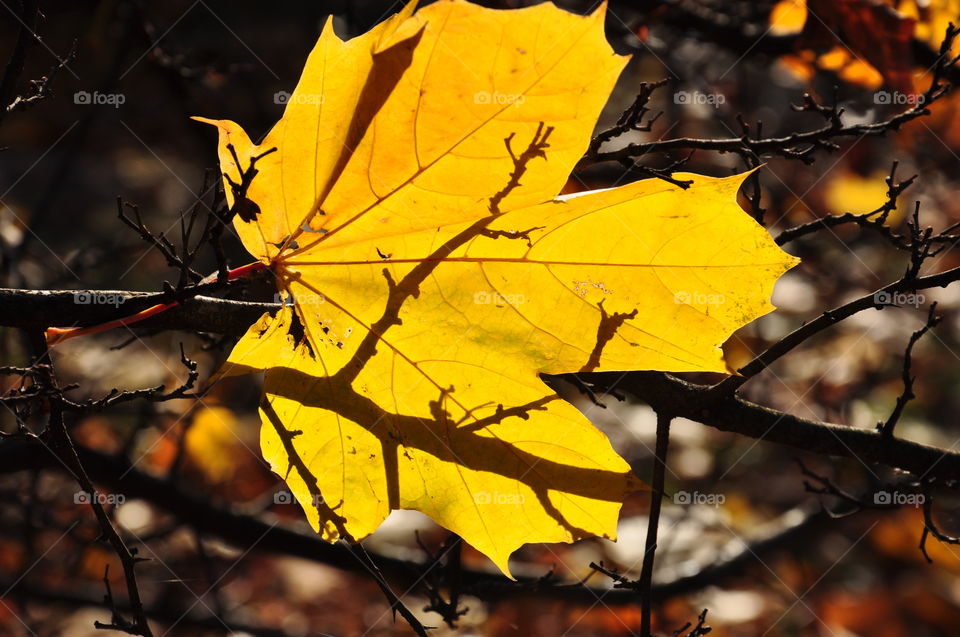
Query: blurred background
(117,125)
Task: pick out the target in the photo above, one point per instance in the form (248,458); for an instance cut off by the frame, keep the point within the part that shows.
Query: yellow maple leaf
(409,213)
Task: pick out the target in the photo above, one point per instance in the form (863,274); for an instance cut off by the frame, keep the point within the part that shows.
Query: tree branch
(728,412)
(61,308)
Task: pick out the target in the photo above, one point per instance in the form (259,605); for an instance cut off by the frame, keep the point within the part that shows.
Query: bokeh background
(63,164)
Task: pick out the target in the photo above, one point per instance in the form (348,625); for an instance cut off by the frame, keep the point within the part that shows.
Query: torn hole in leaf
(279,244)
(299,334)
(306,227)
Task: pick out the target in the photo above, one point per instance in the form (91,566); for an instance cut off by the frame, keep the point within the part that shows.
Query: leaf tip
(224,125)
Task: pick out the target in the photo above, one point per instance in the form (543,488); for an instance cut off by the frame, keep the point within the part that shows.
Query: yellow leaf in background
(434,276)
(850,192)
(932,18)
(788,16)
(862,74)
(838,60)
(212,432)
(847,60)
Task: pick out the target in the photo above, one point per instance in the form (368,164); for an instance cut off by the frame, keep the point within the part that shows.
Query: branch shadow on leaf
(474,442)
(442,439)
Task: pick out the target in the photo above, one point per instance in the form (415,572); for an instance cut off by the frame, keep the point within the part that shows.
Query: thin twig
(907,395)
(60,442)
(645,582)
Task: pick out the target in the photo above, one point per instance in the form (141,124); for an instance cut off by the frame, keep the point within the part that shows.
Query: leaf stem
(57,335)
